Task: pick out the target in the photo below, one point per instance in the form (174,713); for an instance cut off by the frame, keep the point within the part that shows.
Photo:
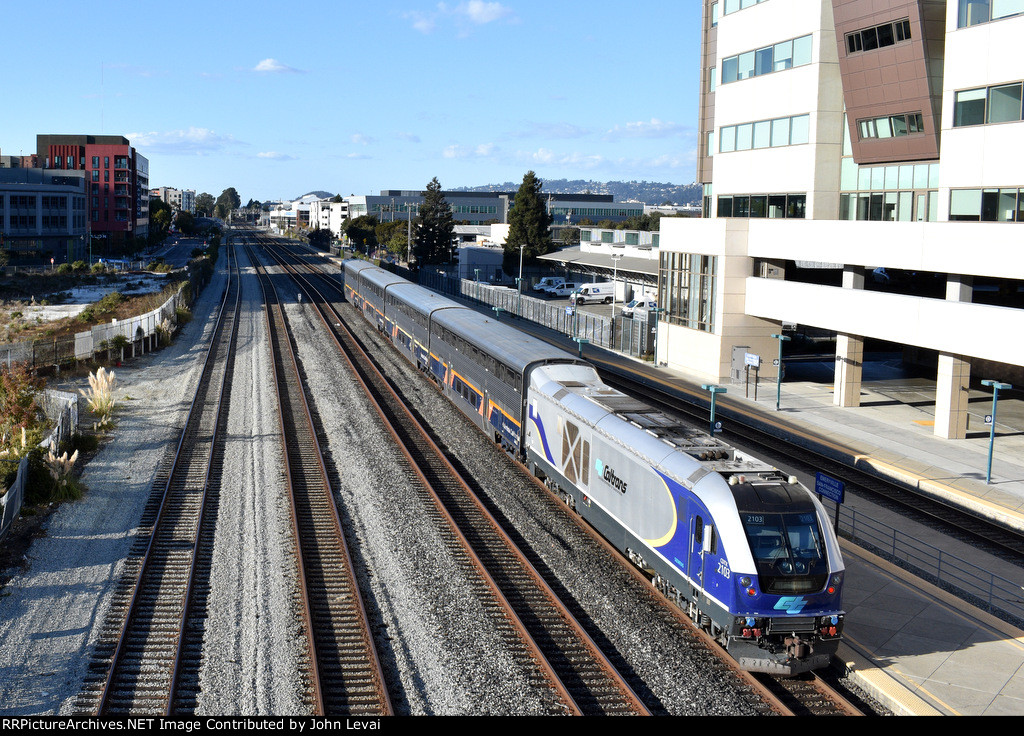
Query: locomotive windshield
(788,550)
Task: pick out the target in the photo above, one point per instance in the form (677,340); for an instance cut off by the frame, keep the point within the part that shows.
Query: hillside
(648,192)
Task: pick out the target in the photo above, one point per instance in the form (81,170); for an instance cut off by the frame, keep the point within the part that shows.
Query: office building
(862,175)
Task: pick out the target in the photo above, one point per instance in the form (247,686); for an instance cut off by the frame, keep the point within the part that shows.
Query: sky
(279,99)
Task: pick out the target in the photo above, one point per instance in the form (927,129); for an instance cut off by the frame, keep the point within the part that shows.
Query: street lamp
(778,379)
(996,385)
(715,390)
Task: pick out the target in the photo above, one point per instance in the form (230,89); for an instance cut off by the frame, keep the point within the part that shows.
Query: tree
(529,225)
(320,239)
(361,232)
(205,204)
(226,202)
(434,226)
(185,222)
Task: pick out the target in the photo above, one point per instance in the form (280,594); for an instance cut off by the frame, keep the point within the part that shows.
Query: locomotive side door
(696,561)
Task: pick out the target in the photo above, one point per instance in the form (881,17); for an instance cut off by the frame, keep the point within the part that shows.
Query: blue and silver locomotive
(746,551)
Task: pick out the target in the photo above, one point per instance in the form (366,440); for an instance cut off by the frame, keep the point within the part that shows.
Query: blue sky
(277,99)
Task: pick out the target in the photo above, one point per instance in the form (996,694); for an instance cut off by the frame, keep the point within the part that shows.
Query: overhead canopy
(640,270)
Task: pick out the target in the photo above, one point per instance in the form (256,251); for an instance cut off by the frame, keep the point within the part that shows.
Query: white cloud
(473,12)
(275,156)
(409,137)
(358,156)
(275,66)
(363,140)
(482,150)
(481,12)
(549,157)
(194,141)
(653,129)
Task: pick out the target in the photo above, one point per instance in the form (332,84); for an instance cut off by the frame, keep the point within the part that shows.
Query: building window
(997,104)
(891,126)
(776,58)
(878,37)
(686,293)
(973,12)
(789,131)
(987,205)
(772,206)
(731,6)
(95,162)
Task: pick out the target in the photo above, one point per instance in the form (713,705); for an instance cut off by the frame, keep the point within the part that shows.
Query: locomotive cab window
(788,551)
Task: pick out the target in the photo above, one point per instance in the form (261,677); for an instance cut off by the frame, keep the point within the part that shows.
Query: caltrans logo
(609,477)
(791,604)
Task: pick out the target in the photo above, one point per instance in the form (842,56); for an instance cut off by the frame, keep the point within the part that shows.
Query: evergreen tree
(434,226)
(529,225)
(226,202)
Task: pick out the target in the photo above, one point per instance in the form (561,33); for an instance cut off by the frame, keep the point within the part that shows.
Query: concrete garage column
(849,351)
(953,378)
(951,394)
(849,367)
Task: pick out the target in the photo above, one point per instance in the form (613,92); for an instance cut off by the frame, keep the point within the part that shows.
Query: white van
(590,293)
(645,301)
(548,282)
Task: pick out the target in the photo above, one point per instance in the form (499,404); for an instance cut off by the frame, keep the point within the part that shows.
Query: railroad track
(146,660)
(345,674)
(578,674)
(807,695)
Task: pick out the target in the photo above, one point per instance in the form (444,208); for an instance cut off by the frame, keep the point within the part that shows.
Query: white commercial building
(868,136)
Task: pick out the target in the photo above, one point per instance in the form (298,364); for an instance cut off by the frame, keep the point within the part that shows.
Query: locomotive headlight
(745,582)
(834,583)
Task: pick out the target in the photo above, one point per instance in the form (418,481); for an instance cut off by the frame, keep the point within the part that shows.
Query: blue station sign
(830,488)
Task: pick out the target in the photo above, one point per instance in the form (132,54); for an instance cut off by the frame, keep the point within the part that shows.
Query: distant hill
(318,193)
(649,192)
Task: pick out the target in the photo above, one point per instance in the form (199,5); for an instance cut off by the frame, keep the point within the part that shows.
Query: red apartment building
(116,180)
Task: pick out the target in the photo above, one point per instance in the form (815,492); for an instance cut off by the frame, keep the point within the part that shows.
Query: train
(746,551)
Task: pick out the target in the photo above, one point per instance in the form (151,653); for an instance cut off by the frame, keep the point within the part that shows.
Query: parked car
(594,293)
(646,302)
(567,288)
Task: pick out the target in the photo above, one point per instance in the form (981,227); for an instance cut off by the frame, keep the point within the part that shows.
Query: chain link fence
(62,408)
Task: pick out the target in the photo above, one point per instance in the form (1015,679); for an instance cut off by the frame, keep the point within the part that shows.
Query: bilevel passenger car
(747,552)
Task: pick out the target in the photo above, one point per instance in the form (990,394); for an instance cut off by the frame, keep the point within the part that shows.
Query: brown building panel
(709,52)
(891,80)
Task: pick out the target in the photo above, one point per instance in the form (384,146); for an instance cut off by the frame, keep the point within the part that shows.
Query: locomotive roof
(515,349)
(713,454)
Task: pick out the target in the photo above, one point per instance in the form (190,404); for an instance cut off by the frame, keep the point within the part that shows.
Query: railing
(576,323)
(976,585)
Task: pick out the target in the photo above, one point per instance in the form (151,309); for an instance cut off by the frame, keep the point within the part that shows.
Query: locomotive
(747,552)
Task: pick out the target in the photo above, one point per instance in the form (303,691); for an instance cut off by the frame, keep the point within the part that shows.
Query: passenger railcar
(747,552)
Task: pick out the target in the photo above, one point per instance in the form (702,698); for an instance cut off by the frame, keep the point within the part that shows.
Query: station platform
(913,646)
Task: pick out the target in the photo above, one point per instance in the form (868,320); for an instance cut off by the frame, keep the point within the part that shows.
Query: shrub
(100,396)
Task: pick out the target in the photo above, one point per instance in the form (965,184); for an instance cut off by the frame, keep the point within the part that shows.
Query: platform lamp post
(715,390)
(519,282)
(778,379)
(616,257)
(996,386)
